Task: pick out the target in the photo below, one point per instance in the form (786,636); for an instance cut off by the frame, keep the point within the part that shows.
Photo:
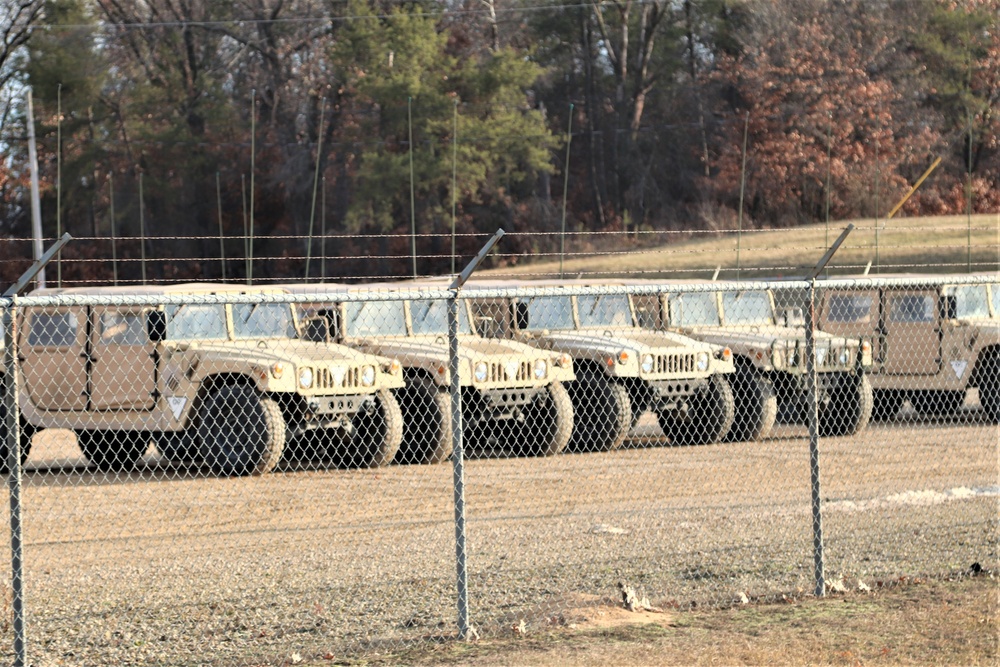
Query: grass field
(942,244)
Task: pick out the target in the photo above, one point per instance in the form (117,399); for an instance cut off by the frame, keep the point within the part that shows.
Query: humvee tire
(376,435)
(989,388)
(886,403)
(849,409)
(240,432)
(548,423)
(709,416)
(602,413)
(113,451)
(932,403)
(427,434)
(755,406)
(177,446)
(26,432)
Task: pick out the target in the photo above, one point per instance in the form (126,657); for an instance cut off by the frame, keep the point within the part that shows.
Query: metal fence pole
(813,407)
(465,629)
(14,482)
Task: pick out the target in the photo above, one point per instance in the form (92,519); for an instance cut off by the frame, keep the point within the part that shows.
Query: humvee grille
(325,379)
(675,363)
(501,372)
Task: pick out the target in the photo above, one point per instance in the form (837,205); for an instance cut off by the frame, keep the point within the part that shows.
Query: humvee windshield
(607,310)
(375,318)
(431,317)
(696,309)
(856,308)
(263,320)
(550,312)
(747,308)
(196,321)
(971,301)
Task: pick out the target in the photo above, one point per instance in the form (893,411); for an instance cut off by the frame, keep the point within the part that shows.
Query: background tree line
(366,120)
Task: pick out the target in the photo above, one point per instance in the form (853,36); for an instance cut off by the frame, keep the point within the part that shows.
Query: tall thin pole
(562,236)
(413,205)
(253,158)
(36,205)
(322,238)
(878,131)
(59,180)
(454,180)
(743,184)
(222,239)
(114,250)
(142,231)
(246,236)
(829,172)
(312,211)
(968,203)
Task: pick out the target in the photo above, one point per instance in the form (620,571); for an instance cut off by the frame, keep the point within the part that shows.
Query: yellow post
(916,185)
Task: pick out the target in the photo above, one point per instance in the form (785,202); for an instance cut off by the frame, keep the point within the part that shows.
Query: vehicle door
(912,335)
(53,357)
(123,363)
(853,314)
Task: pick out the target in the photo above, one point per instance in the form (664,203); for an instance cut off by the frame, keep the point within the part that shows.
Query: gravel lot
(169,567)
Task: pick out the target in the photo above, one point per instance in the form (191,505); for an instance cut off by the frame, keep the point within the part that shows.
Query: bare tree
(17,18)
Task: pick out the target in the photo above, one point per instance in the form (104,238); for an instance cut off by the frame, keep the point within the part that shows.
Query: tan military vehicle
(623,370)
(769,352)
(513,398)
(230,384)
(932,343)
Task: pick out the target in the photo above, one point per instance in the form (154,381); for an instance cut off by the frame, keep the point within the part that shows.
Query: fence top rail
(181,293)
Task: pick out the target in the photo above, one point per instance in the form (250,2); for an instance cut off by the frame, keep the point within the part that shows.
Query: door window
(123,329)
(912,308)
(54,329)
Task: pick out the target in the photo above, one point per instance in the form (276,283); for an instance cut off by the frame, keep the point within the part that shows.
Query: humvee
(623,370)
(513,395)
(932,342)
(232,385)
(769,352)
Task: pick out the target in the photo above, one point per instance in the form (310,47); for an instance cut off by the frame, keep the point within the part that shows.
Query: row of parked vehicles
(363,382)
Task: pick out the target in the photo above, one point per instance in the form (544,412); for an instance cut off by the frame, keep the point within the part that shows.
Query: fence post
(465,629)
(13,430)
(813,409)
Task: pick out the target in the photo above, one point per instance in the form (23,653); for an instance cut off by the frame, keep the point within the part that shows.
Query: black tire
(850,407)
(937,403)
(756,406)
(709,415)
(375,435)
(240,432)
(113,451)
(602,413)
(427,434)
(989,389)
(886,404)
(547,425)
(26,432)
(177,446)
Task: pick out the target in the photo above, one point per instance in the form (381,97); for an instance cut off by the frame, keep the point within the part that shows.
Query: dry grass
(930,244)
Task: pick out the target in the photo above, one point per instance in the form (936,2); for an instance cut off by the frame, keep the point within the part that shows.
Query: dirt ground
(914,622)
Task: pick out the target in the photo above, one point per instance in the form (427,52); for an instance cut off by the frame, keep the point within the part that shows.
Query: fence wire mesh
(265,475)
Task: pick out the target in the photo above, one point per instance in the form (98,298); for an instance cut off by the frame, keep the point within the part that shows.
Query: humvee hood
(611,341)
(764,335)
(436,347)
(299,352)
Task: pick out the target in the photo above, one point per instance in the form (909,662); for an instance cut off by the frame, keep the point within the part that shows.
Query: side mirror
(521,314)
(793,317)
(948,306)
(156,325)
(317,329)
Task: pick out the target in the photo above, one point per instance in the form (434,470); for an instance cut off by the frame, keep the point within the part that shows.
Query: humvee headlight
(541,369)
(305,377)
(392,367)
(647,363)
(277,370)
(845,357)
(480,371)
(563,361)
(703,361)
(623,357)
(368,376)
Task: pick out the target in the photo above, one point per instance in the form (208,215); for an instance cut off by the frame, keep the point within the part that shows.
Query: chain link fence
(217,474)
